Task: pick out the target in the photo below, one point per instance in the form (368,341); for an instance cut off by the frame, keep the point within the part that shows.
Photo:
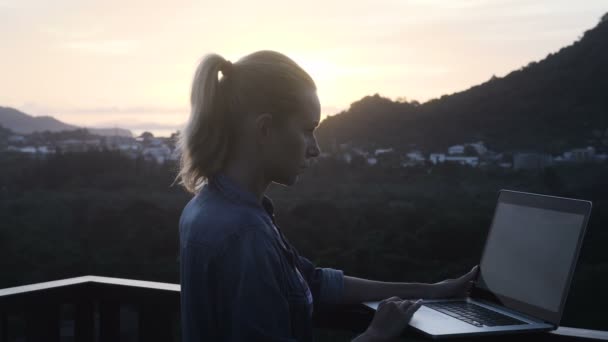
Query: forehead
(309,109)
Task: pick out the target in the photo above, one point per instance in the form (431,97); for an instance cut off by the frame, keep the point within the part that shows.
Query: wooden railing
(95,304)
(92,308)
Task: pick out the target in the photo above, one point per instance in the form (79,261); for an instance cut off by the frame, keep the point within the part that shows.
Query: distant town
(473,154)
(161,150)
(158,149)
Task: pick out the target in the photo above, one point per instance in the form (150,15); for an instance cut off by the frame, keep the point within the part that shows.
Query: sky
(130,64)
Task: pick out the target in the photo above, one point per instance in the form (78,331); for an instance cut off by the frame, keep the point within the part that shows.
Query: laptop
(525,271)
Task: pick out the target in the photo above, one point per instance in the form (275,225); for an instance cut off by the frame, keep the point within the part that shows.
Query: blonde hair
(261,82)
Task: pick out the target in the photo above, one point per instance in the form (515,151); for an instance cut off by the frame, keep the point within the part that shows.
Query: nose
(313,149)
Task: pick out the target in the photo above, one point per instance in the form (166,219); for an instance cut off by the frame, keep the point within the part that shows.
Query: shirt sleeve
(251,303)
(326,284)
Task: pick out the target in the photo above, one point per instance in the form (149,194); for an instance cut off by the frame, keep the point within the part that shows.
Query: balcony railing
(92,308)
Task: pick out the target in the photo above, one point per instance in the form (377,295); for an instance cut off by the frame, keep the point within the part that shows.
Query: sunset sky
(130,63)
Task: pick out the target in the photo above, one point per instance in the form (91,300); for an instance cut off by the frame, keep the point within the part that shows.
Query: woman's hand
(455,288)
(390,319)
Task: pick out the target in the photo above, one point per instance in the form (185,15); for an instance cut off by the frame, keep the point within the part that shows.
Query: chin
(288,181)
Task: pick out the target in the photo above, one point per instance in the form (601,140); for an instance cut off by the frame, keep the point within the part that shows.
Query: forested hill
(23,123)
(559,102)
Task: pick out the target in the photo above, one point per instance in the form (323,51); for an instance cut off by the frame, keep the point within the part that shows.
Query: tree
(146,135)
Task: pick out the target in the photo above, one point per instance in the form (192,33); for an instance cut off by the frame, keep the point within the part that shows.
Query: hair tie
(226,68)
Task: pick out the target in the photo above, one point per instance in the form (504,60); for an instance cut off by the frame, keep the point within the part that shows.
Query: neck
(249,178)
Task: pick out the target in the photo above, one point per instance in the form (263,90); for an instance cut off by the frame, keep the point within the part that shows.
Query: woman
(241,279)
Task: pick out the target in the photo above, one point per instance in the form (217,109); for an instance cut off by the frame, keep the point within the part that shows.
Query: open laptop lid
(531,253)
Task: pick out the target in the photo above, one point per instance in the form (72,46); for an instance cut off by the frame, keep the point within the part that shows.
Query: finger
(472,273)
(413,308)
(388,300)
(406,304)
(392,299)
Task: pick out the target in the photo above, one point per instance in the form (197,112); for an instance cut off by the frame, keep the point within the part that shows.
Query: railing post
(155,321)
(109,321)
(3,326)
(42,321)
(84,320)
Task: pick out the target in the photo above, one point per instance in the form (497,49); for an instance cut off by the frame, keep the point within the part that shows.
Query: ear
(264,125)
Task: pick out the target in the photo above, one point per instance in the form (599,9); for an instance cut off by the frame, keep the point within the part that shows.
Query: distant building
(479,147)
(360,152)
(456,149)
(117,142)
(414,158)
(93,144)
(383,151)
(45,150)
(437,158)
(156,142)
(347,157)
(601,157)
(16,139)
(579,155)
(72,145)
(157,153)
(531,161)
(28,150)
(128,147)
(463,160)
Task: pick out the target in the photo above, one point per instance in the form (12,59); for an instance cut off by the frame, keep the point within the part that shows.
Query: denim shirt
(240,278)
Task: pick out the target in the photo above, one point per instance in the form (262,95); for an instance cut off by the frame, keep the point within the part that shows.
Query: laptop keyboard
(473,314)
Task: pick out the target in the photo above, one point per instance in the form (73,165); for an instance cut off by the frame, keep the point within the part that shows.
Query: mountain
(20,122)
(559,102)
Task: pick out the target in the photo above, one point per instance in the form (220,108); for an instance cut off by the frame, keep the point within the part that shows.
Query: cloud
(33,108)
(104,47)
(9,4)
(71,34)
(89,40)
(452,4)
(129,110)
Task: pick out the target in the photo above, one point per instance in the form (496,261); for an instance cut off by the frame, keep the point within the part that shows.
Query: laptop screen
(529,254)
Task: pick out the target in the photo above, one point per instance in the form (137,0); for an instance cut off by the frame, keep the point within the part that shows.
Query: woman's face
(295,144)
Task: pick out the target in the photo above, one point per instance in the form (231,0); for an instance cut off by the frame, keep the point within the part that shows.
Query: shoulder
(209,219)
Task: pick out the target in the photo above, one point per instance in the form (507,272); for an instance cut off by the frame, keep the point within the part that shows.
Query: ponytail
(206,139)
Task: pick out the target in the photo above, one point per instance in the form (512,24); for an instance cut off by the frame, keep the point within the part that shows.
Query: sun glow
(69,56)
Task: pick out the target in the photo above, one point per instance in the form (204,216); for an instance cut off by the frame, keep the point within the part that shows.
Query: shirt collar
(236,193)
